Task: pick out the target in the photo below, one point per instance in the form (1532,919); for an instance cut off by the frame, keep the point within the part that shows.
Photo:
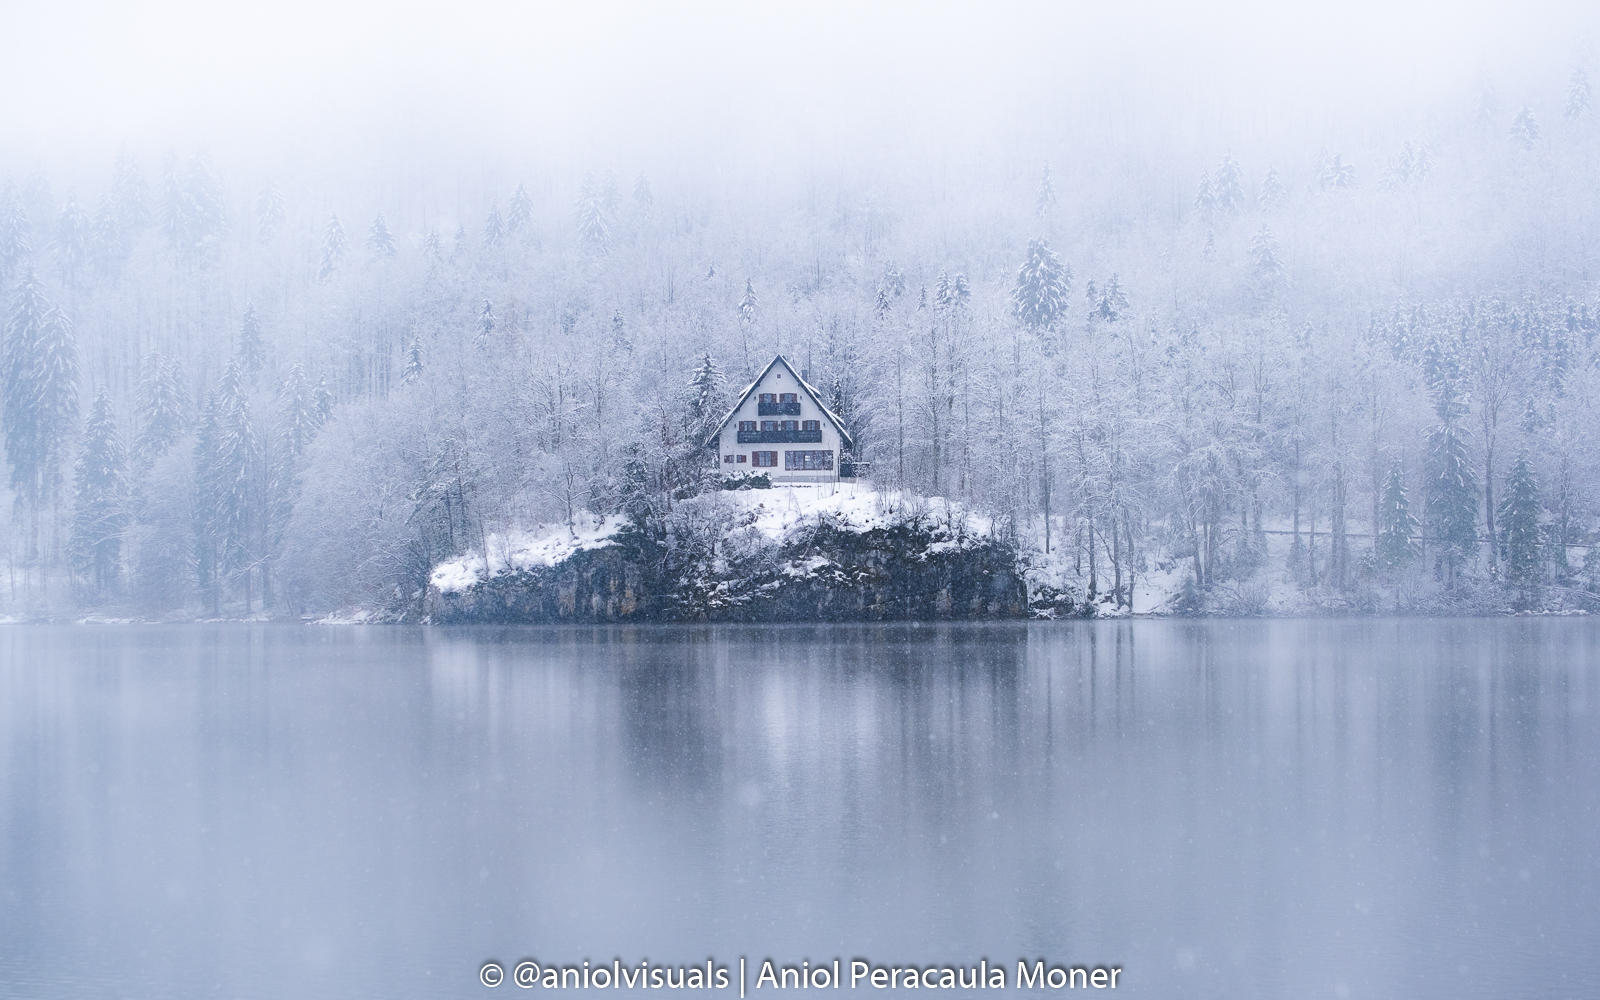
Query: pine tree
(107,248)
(642,198)
(749,305)
(271,213)
(486,324)
(131,194)
(380,242)
(1205,198)
(1452,488)
(1524,131)
(1208,249)
(207,508)
(1264,263)
(1488,103)
(413,369)
(705,399)
(519,219)
(334,247)
(1040,295)
(176,214)
(235,466)
(1335,173)
(163,409)
(1519,526)
(322,400)
(252,352)
(39,392)
(1229,186)
(610,192)
(15,245)
(1046,201)
(1109,303)
(100,500)
(594,231)
(302,408)
(1273,193)
(71,243)
(1397,526)
(1579,100)
(494,227)
(208,204)
(433,249)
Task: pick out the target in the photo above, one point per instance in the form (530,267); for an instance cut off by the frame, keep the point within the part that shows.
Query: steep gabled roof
(810,390)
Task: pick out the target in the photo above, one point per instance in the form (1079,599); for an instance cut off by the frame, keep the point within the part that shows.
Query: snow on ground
(777,513)
(518,550)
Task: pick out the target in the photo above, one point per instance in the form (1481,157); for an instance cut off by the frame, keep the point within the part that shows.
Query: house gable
(811,392)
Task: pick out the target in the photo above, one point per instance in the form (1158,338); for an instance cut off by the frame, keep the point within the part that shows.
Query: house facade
(780,427)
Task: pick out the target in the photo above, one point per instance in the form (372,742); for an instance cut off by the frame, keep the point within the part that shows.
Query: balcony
(780,437)
(779,410)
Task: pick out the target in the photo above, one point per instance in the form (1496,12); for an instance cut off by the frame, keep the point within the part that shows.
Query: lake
(1341,809)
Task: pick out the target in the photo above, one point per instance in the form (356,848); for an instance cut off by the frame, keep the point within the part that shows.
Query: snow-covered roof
(811,390)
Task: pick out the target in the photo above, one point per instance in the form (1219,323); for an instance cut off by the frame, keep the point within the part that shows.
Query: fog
(1231,284)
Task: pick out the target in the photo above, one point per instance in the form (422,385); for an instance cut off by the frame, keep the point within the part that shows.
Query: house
(780,427)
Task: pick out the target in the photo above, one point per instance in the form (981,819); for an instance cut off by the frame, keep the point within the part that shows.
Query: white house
(780,427)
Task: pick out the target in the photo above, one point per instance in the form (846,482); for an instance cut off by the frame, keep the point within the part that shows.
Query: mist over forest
(1337,340)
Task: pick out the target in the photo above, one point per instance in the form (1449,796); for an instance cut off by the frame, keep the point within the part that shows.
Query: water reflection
(1221,808)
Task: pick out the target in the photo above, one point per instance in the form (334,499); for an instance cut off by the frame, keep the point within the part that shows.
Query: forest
(1355,365)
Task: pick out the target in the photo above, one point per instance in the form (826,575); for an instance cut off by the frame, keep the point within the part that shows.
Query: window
(811,425)
(747,425)
(808,460)
(789,425)
(769,425)
(766,459)
(788,397)
(727,459)
(741,460)
(768,397)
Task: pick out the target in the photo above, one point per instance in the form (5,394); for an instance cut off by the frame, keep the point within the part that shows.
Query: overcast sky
(82,76)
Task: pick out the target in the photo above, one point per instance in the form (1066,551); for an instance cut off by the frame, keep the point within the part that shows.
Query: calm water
(1274,809)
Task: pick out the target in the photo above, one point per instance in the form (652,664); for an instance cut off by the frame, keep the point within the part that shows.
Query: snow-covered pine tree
(1108,304)
(175,214)
(519,215)
(334,247)
(298,419)
(1580,101)
(705,397)
(494,227)
(413,369)
(207,508)
(131,194)
(38,392)
(433,249)
(1208,249)
(236,468)
(380,242)
(1333,172)
(594,231)
(163,409)
(1045,203)
(486,324)
(1524,130)
(1397,526)
(107,245)
(893,281)
(322,399)
(1520,536)
(252,348)
(100,497)
(1205,198)
(271,213)
(1228,188)
(1273,193)
(643,199)
(1264,263)
(208,203)
(1452,489)
(71,242)
(1039,296)
(15,245)
(611,192)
